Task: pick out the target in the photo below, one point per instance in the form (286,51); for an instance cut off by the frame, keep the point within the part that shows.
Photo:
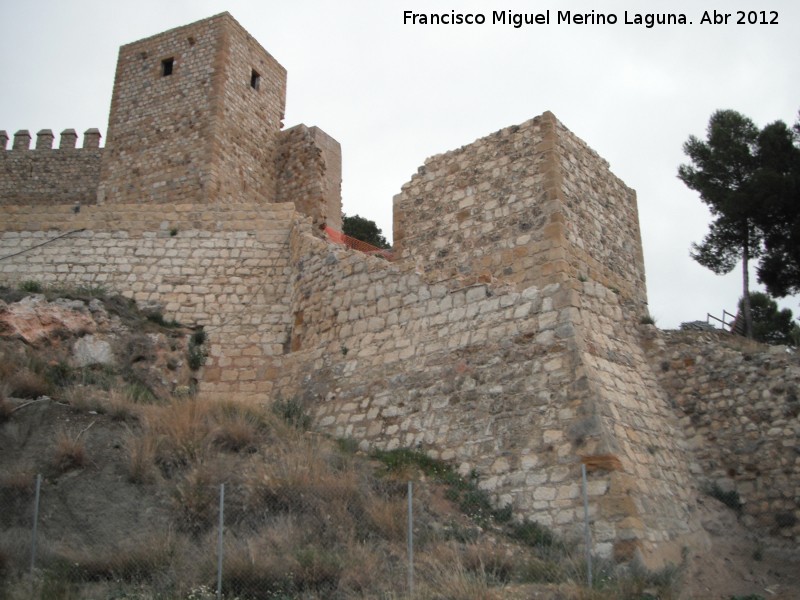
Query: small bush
(158,318)
(198,338)
(293,413)
(196,353)
(141,457)
(196,499)
(196,357)
(70,453)
(730,499)
(28,384)
(532,534)
(32,287)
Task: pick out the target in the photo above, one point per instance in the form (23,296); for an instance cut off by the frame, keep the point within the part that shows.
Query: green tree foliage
(364,230)
(778,189)
(750,181)
(770,325)
(722,171)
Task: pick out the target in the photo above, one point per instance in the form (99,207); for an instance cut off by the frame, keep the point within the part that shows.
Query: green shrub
(196,353)
(532,534)
(158,318)
(730,499)
(33,287)
(293,412)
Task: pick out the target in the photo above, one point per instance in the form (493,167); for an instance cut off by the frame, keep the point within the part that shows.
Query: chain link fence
(317,537)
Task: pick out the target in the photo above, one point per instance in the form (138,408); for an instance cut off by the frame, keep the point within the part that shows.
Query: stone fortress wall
(504,338)
(738,404)
(44,175)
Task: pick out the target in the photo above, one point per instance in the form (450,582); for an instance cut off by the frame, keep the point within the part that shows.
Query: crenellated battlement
(47,175)
(45,139)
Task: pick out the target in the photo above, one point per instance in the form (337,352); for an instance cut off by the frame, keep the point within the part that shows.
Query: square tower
(195,117)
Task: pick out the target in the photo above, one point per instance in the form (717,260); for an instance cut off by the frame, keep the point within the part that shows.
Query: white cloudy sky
(394,94)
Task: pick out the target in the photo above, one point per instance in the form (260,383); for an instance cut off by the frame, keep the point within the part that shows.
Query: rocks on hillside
(86,333)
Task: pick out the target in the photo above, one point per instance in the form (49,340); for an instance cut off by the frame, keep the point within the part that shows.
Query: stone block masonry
(531,204)
(309,166)
(739,405)
(44,175)
(518,386)
(505,338)
(225,268)
(196,114)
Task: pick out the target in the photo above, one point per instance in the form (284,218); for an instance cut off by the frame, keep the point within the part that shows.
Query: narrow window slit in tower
(166,66)
(255,79)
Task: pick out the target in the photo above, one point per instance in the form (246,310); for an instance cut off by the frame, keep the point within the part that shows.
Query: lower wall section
(739,403)
(225,267)
(519,387)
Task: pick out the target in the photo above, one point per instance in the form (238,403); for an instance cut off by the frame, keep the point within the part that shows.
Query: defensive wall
(738,403)
(517,373)
(505,337)
(47,175)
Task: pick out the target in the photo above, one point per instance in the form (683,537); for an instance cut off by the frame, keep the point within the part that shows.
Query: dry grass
(18,483)
(69,452)
(6,410)
(182,430)
(133,560)
(443,574)
(26,383)
(387,516)
(303,518)
(141,451)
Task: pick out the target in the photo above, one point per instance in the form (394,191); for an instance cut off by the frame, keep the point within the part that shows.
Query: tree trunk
(748,315)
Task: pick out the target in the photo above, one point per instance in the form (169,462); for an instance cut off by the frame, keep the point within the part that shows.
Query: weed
(196,353)
(183,430)
(347,445)
(19,484)
(532,534)
(293,412)
(198,338)
(137,390)
(30,286)
(59,375)
(6,409)
(730,498)
(70,453)
(158,318)
(646,319)
(141,457)
(471,500)
(132,561)
(28,384)
(237,433)
(195,499)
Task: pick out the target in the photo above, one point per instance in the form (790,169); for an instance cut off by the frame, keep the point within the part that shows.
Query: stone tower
(195,117)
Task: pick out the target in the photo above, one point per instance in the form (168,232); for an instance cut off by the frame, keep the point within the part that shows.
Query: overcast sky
(394,93)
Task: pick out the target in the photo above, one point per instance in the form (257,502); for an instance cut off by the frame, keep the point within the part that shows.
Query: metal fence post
(410,539)
(35,521)
(219,543)
(586,533)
